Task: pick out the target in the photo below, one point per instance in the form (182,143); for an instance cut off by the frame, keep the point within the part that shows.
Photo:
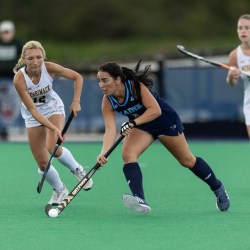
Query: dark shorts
(168,123)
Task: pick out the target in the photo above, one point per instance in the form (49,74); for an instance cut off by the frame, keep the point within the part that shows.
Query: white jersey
(243,62)
(44,97)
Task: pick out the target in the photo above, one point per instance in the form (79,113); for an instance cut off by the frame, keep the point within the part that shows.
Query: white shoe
(136,203)
(58,196)
(80,174)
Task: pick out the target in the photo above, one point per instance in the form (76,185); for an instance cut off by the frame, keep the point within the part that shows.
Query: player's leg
(134,145)
(248,130)
(37,141)
(178,147)
(246,111)
(63,155)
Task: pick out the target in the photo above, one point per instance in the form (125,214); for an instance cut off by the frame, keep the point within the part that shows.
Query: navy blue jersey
(168,123)
(130,106)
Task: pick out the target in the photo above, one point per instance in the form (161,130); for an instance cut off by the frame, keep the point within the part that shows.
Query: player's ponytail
(136,76)
(19,65)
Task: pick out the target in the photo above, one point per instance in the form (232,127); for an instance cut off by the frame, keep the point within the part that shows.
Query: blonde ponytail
(19,65)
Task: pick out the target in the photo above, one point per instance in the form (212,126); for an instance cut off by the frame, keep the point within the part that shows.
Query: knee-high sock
(133,176)
(53,178)
(202,170)
(68,160)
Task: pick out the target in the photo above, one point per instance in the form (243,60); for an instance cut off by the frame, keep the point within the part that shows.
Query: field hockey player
(43,112)
(239,59)
(129,92)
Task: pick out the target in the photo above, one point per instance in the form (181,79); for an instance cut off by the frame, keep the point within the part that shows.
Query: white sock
(53,178)
(68,160)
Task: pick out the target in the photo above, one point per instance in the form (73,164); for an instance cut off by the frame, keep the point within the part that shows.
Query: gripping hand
(126,127)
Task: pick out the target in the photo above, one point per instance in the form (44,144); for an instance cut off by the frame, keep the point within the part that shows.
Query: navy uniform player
(43,112)
(129,92)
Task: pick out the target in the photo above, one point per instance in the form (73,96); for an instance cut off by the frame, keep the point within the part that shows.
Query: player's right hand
(234,73)
(59,134)
(101,159)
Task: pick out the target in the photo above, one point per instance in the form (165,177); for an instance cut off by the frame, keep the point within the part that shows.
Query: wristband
(133,122)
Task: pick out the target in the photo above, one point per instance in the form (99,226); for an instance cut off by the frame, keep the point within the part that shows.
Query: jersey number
(40,99)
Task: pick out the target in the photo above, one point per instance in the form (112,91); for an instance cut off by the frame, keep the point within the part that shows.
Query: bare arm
(56,70)
(153,109)
(233,75)
(110,125)
(110,129)
(20,86)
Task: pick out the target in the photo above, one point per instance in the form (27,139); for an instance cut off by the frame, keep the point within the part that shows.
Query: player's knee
(42,165)
(187,162)
(128,156)
(50,150)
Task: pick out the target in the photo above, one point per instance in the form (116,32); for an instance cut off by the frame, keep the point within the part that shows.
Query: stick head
(47,208)
(180,47)
(39,188)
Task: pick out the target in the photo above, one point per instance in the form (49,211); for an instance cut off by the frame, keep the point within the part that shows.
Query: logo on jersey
(246,68)
(173,127)
(131,110)
(41,91)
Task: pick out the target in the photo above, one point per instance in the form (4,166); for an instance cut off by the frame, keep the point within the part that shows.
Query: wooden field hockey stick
(214,63)
(58,143)
(79,186)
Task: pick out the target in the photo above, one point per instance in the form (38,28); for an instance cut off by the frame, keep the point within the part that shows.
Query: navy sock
(202,170)
(133,176)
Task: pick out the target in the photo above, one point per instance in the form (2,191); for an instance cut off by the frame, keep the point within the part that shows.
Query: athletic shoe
(222,202)
(136,203)
(79,174)
(58,196)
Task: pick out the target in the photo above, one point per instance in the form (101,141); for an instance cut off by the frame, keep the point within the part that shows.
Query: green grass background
(183,207)
(130,49)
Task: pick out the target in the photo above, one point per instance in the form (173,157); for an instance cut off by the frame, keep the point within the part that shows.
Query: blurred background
(82,34)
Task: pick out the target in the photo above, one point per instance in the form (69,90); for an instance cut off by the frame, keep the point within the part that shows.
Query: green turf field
(183,207)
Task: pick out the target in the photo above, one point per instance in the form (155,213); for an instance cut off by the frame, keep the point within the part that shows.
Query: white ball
(53,213)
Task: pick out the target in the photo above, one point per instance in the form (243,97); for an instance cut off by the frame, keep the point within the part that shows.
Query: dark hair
(128,74)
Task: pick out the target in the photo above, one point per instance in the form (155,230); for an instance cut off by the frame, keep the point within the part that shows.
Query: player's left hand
(126,128)
(75,107)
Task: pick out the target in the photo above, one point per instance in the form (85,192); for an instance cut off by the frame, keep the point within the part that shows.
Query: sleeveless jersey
(44,97)
(130,106)
(243,62)
(168,123)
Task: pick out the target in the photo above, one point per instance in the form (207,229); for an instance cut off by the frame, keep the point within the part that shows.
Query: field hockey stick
(58,143)
(78,187)
(214,63)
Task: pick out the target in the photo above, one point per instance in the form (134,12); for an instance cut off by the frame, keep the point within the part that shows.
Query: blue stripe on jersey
(128,91)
